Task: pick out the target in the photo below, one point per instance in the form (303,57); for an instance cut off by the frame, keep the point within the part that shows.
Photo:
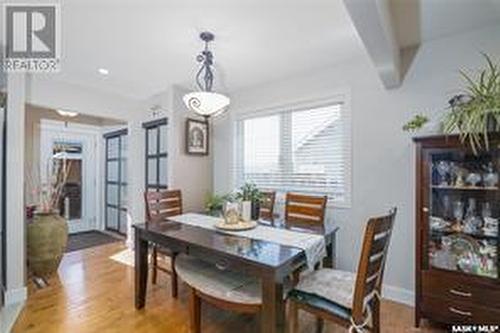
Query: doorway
(72,151)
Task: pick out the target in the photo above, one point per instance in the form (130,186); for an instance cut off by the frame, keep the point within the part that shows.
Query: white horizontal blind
(305,150)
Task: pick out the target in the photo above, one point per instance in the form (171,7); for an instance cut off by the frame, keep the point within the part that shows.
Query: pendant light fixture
(206,102)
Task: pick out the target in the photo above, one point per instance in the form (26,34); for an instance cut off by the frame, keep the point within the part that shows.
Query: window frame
(342,97)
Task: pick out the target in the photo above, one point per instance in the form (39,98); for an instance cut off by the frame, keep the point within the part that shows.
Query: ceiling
(149,45)
(420,21)
(36,112)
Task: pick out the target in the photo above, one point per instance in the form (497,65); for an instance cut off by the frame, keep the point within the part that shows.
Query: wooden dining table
(269,261)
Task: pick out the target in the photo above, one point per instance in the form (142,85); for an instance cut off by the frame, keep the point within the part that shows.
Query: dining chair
(267,205)
(159,206)
(305,210)
(220,287)
(348,299)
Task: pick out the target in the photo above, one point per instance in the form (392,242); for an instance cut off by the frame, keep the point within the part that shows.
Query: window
(69,155)
(156,154)
(303,150)
(116,181)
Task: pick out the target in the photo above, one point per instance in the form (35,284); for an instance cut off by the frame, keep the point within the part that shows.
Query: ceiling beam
(373,22)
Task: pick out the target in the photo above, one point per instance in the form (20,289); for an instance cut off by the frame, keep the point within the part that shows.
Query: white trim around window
(304,147)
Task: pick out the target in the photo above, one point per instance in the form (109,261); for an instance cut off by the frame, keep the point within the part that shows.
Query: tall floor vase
(47,240)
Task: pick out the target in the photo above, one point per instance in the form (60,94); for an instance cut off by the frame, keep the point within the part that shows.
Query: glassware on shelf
(473,179)
(457,175)
(444,258)
(477,258)
(490,178)
(461,173)
(438,223)
(490,227)
(486,210)
(454,168)
(472,222)
(447,214)
(468,262)
(443,169)
(458,210)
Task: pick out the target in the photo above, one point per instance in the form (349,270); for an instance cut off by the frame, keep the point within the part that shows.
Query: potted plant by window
(475,113)
(214,203)
(47,230)
(250,197)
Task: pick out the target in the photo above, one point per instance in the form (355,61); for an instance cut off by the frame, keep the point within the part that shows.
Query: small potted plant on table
(214,203)
(251,198)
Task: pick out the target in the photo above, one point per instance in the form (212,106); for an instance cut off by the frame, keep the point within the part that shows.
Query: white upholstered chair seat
(220,284)
(334,285)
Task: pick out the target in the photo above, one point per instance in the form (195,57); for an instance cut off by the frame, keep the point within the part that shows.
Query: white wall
(190,173)
(383,161)
(15,227)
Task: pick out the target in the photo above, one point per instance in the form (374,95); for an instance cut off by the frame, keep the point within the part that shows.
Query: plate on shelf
(438,223)
(490,232)
(461,244)
(240,226)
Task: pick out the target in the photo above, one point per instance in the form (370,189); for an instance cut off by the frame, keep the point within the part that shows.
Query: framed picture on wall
(196,137)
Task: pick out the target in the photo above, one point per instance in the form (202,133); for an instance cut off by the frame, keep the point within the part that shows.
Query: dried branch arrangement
(46,195)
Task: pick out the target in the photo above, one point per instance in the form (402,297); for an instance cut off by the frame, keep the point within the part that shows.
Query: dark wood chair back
(370,272)
(305,210)
(267,205)
(163,204)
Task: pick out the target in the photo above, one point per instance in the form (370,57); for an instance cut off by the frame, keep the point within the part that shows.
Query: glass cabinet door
(463,211)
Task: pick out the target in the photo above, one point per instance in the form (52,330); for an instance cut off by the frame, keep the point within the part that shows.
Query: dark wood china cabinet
(457,243)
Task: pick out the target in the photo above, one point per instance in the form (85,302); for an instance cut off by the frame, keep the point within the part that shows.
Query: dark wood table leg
(141,270)
(329,260)
(273,307)
(334,250)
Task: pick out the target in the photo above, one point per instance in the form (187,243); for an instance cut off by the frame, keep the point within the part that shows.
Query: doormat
(87,239)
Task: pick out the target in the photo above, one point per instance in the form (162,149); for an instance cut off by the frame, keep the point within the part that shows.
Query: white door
(83,170)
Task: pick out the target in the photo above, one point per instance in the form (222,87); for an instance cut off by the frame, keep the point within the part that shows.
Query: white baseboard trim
(14,296)
(398,294)
(8,316)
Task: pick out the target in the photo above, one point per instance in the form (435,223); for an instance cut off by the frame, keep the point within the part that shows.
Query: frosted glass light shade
(67,113)
(206,103)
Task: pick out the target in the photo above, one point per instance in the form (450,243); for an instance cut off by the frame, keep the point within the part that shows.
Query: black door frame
(119,134)
(157,125)
(3,203)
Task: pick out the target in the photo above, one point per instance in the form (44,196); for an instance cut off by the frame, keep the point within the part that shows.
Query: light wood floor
(93,293)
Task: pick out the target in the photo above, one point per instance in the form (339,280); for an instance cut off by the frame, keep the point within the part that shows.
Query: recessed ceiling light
(67,113)
(103,71)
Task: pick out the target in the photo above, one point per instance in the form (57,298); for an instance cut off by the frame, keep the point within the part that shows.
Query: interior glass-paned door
(123,203)
(156,155)
(116,182)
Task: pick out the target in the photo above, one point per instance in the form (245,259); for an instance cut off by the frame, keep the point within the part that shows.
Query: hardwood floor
(93,293)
